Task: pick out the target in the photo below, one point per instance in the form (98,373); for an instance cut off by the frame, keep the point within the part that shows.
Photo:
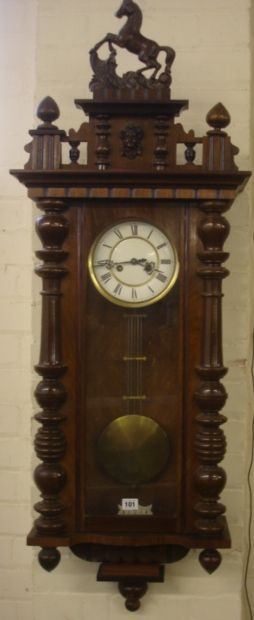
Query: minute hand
(110,263)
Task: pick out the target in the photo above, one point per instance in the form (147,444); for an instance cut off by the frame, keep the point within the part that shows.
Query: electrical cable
(250,497)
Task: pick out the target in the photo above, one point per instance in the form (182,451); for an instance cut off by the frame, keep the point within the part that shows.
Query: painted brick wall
(45,49)
(17,79)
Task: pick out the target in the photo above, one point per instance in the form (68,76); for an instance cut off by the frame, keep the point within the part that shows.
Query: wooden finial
(48,111)
(210,560)
(49,558)
(218,117)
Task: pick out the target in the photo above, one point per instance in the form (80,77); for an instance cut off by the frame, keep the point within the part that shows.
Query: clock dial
(133,263)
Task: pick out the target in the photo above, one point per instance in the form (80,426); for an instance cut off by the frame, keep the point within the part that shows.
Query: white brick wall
(17,79)
(212,64)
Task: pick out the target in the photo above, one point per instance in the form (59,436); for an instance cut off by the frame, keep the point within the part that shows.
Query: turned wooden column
(211,396)
(103,148)
(50,441)
(161,148)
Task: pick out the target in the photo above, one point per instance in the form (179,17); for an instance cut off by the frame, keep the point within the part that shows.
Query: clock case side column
(210,442)
(50,440)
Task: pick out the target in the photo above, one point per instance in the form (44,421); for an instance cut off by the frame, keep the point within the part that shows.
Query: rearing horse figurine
(131,39)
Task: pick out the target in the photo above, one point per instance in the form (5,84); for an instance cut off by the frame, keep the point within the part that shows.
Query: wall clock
(131,366)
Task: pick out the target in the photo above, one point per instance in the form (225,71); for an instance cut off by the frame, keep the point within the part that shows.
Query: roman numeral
(134,229)
(106,277)
(162,245)
(150,233)
(118,289)
(118,233)
(134,294)
(107,246)
(161,277)
(151,289)
(166,261)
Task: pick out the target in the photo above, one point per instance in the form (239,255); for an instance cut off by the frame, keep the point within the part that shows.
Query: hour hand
(149,266)
(104,263)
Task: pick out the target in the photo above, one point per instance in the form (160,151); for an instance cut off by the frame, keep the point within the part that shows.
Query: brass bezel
(130,304)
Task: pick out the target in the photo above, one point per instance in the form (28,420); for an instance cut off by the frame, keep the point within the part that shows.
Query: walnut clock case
(132,263)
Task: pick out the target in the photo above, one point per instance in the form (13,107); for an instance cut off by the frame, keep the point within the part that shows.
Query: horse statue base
(133,84)
(105,78)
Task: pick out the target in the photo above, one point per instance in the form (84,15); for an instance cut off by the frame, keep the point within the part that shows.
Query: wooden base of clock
(132,580)
(132,567)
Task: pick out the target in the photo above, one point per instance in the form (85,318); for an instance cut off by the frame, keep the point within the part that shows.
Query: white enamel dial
(133,263)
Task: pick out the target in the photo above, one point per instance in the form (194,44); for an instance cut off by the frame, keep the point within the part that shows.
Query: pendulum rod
(134,360)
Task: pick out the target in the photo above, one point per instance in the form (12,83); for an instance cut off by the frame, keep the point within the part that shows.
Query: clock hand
(110,263)
(133,261)
(150,268)
(104,263)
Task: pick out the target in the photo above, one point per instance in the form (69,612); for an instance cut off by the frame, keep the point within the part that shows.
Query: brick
(25,348)
(203,72)
(237,402)
(7,280)
(236,431)
(78,574)
(14,15)
(201,5)
(15,584)
(15,519)
(25,481)
(234,465)
(239,251)
(25,610)
(8,610)
(9,485)
(16,282)
(10,419)
(237,322)
(22,554)
(232,26)
(15,485)
(231,293)
(23,284)
(236,352)
(15,386)
(56,607)
(234,501)
(9,349)
(237,536)
(10,188)
(180,606)
(97,605)
(6,543)
(15,453)
(13,215)
(26,412)
(16,247)
(15,316)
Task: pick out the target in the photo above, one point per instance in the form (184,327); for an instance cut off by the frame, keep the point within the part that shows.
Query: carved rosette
(50,442)
(211,396)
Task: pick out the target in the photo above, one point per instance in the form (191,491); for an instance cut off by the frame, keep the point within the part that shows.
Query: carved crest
(131,39)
